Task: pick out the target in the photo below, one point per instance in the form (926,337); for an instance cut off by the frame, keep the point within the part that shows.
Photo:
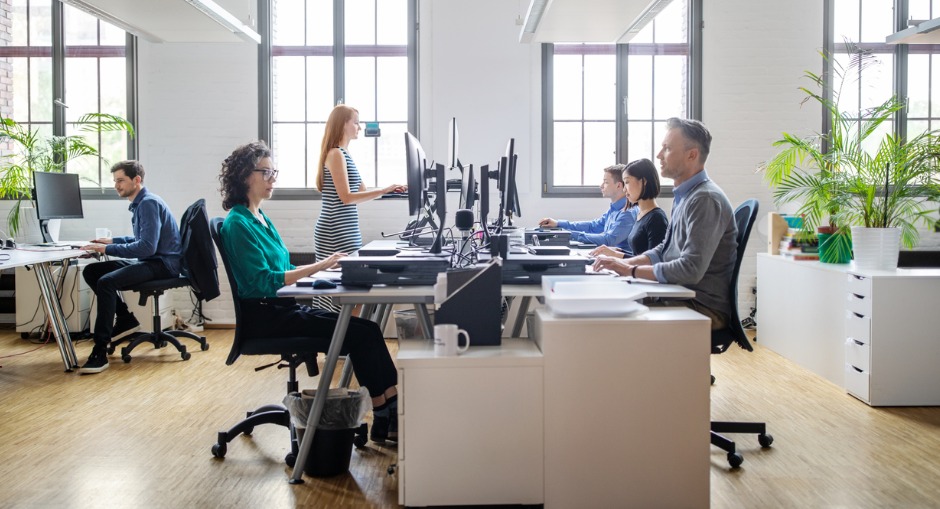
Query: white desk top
(850,267)
(415,353)
(20,257)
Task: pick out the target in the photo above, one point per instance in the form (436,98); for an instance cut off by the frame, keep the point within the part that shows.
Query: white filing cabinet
(76,300)
(470,427)
(892,343)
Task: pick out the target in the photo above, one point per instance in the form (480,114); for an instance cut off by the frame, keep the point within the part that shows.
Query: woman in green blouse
(260,263)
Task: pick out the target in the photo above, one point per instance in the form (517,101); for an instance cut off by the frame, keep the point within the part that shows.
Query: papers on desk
(583,297)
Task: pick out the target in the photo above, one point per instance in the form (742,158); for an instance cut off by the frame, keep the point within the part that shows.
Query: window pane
(567,87)
(600,97)
(877,82)
(113,86)
(846,89)
(111,35)
(363,153)
(846,21)
(567,154)
(319,22)
(391,162)
(40,90)
(314,140)
(319,88)
(639,142)
(640,87)
(81,87)
(599,149)
(918,83)
(288,24)
(669,98)
(289,88)
(40,23)
(360,86)
(919,9)
(360,22)
(113,149)
(394,26)
(86,167)
(934,85)
(671,25)
(877,20)
(18,22)
(289,158)
(81,29)
(392,90)
(659,132)
(20,111)
(915,127)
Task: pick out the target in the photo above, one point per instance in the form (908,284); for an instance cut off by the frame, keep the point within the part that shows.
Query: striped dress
(337,227)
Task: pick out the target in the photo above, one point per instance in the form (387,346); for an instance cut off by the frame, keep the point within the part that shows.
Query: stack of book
(799,245)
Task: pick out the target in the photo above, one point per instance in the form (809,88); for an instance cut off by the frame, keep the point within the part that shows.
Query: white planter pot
(876,248)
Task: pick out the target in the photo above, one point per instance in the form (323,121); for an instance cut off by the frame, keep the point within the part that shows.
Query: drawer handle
(857,370)
(857,315)
(857,342)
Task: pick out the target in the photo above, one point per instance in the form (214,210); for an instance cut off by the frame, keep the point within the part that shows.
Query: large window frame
(692,50)
(61,122)
(339,51)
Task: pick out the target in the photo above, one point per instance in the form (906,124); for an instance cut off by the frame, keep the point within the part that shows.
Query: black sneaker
(379,431)
(124,325)
(97,362)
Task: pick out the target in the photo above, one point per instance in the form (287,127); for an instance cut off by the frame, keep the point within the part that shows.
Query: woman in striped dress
(339,182)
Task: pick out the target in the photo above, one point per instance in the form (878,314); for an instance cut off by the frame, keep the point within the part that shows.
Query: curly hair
(235,172)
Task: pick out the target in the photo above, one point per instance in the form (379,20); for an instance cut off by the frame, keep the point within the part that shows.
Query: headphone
(7,243)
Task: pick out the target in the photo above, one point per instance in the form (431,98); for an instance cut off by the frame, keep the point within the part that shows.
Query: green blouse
(256,252)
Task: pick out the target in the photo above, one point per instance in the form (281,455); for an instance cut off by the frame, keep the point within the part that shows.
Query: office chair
(203,280)
(293,351)
(744,216)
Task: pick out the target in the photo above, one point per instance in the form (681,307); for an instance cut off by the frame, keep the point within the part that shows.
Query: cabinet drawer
(856,382)
(858,327)
(859,304)
(858,354)
(859,285)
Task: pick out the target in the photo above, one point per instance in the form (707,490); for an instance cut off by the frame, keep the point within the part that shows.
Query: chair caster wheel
(362,436)
(110,350)
(126,358)
(204,346)
(391,469)
(290,459)
(185,355)
(735,459)
(765,440)
(219,450)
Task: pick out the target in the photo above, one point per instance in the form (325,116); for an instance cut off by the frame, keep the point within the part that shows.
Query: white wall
(199,101)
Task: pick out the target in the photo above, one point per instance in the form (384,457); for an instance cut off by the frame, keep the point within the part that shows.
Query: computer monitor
(468,188)
(58,196)
(510,189)
(452,141)
(415,165)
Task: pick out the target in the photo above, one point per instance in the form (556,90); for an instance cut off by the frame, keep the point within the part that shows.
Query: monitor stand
(44,230)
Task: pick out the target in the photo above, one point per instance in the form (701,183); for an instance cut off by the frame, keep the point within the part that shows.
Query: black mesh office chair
(744,216)
(293,351)
(198,273)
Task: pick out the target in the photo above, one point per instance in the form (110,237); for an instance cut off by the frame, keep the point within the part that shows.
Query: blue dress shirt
(156,234)
(611,229)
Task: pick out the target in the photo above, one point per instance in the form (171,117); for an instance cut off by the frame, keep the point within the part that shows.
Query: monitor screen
(415,164)
(509,191)
(58,195)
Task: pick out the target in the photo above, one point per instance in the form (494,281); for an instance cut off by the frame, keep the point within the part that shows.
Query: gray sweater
(701,246)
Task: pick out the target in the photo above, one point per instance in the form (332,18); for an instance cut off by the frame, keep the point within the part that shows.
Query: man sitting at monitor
(155,244)
(614,226)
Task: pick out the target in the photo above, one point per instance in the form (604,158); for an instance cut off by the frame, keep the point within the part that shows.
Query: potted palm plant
(858,176)
(25,151)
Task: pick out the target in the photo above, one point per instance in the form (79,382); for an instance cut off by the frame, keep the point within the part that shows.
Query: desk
(42,261)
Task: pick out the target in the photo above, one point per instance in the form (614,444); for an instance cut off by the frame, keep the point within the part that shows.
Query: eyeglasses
(268,174)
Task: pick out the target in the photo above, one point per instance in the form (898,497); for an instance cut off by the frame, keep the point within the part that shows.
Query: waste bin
(332,443)
(407,324)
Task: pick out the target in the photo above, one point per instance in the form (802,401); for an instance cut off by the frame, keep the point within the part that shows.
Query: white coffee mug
(446,340)
(102,233)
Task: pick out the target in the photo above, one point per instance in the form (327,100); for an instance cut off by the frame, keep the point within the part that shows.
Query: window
(93,77)
(605,103)
(923,76)
(323,52)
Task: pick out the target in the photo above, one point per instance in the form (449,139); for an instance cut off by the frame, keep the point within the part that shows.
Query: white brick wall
(198,101)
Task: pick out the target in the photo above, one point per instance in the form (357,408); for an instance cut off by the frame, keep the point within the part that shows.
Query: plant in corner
(858,174)
(26,151)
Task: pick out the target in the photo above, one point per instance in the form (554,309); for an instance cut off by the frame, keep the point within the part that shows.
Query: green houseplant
(858,174)
(25,151)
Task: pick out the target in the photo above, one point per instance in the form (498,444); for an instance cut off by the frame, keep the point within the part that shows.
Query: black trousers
(364,342)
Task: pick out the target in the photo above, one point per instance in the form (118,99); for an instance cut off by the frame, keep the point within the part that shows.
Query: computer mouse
(323,284)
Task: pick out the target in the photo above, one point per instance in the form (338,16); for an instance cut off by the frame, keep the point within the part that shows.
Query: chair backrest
(215,229)
(744,216)
(199,262)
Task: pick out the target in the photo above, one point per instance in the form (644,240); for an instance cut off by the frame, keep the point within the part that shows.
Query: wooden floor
(139,435)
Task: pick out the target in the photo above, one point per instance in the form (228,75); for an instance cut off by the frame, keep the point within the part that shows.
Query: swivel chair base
(159,339)
(726,444)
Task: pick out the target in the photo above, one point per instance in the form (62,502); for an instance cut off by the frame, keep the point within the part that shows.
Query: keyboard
(393,196)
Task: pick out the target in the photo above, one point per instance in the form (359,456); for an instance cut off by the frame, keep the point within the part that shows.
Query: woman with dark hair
(338,180)
(260,263)
(641,184)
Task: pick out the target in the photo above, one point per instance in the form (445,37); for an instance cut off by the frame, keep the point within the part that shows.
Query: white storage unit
(892,337)
(76,300)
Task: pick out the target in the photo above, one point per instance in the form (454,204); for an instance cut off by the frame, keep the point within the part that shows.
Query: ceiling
(171,20)
(602,21)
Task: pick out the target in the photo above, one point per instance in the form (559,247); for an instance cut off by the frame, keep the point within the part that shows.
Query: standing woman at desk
(261,265)
(641,185)
(339,182)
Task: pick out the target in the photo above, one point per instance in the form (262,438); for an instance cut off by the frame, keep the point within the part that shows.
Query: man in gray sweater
(701,244)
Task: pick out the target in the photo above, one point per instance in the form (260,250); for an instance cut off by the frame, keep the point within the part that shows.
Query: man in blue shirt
(156,246)
(611,229)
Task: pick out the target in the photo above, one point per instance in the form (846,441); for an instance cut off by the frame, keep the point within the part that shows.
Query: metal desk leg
(520,316)
(421,310)
(60,328)
(326,376)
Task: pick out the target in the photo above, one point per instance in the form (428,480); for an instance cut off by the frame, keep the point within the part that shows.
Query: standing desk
(41,261)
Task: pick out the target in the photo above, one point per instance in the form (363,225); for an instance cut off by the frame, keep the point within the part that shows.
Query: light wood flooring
(139,435)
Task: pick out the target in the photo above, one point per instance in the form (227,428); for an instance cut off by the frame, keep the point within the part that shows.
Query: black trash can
(332,445)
